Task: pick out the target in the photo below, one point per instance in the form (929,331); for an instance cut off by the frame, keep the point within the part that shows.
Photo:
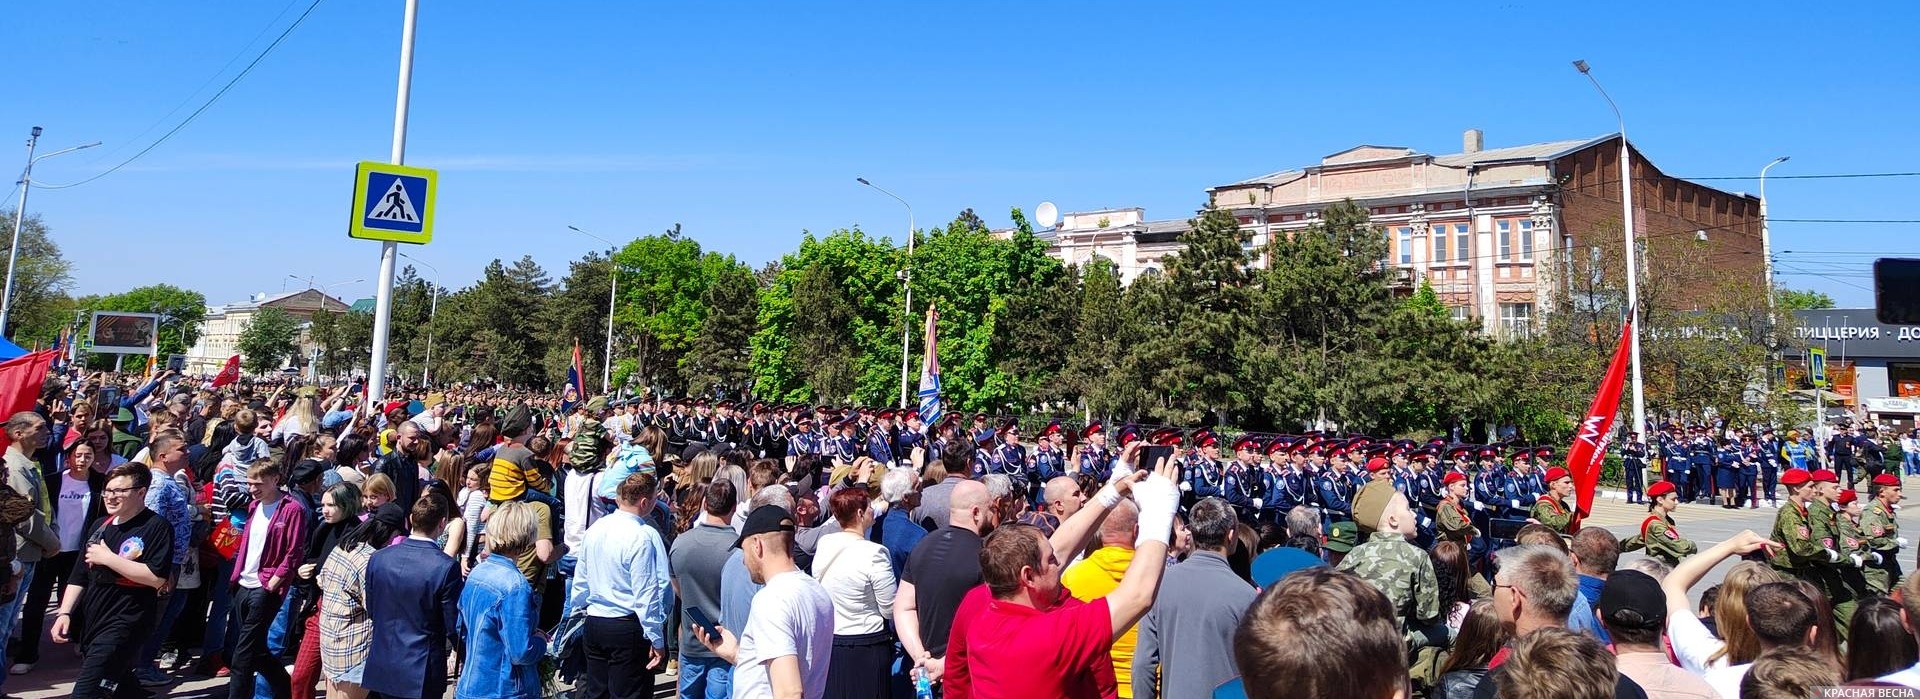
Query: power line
(1836,176)
(203,107)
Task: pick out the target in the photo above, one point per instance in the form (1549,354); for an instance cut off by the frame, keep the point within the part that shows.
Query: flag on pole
(150,365)
(59,350)
(228,374)
(1590,442)
(930,374)
(20,381)
(575,386)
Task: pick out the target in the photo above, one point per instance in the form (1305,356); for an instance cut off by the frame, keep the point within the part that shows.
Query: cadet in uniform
(1095,459)
(1882,531)
(1658,535)
(1551,508)
(1633,460)
(1768,456)
(1013,457)
(1049,456)
(1240,478)
(1283,487)
(1806,530)
(1452,519)
(1334,489)
(1202,466)
(986,459)
(913,435)
(1852,545)
(1700,451)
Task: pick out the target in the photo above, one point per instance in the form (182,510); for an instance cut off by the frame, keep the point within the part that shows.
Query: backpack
(585,453)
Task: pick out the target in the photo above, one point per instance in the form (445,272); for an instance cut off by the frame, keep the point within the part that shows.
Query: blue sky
(747,122)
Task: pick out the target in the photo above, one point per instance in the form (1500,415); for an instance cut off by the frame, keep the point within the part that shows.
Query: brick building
(1488,228)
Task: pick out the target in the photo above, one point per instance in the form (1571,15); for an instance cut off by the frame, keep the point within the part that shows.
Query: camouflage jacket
(1402,572)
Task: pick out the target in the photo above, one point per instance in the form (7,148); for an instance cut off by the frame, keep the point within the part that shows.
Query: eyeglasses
(121,492)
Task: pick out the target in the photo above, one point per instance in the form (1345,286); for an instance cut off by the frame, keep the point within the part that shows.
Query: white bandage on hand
(1902,541)
(1157,499)
(1108,496)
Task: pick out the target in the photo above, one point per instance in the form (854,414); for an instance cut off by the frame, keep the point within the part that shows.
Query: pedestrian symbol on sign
(393,203)
(394,206)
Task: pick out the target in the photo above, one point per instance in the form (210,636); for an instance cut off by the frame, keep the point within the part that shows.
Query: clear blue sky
(747,122)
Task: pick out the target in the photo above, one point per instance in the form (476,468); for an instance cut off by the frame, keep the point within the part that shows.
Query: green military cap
(1345,535)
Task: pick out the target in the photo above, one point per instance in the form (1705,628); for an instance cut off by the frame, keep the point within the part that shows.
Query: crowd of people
(506,545)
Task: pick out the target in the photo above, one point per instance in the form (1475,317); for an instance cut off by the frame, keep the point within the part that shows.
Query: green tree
(488,329)
(344,339)
(42,277)
(821,343)
(1093,355)
(1210,277)
(577,312)
(663,282)
(863,270)
(268,341)
(719,354)
(1791,300)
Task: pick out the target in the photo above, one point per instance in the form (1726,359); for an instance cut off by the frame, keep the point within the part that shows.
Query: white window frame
(1505,229)
(1517,318)
(1440,245)
(1526,239)
(1462,242)
(1405,251)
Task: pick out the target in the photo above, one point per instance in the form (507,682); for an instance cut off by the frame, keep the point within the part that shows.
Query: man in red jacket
(270,549)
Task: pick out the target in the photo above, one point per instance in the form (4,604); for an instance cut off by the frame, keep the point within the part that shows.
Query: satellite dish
(1047,215)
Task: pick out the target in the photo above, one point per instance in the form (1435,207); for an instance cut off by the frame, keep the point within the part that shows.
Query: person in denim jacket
(497,615)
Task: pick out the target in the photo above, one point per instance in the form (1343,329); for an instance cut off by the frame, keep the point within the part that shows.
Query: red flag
(20,381)
(1590,443)
(228,374)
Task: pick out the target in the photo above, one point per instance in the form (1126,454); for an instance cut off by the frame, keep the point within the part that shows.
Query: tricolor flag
(575,386)
(59,350)
(930,374)
(1590,443)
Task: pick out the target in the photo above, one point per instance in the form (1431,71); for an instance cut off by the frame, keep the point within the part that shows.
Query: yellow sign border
(1818,379)
(356,227)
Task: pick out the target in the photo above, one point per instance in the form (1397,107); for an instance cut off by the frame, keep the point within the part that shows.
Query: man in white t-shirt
(783,650)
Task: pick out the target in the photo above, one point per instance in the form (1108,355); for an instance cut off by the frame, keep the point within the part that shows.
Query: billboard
(118,332)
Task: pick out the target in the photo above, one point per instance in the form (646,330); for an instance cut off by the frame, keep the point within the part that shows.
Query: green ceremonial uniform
(1662,541)
(1403,573)
(1554,514)
(1882,531)
(1853,549)
(1453,522)
(1832,576)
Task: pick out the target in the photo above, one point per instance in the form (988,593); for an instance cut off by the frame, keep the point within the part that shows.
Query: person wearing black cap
(1700,458)
(788,639)
(913,435)
(1014,461)
(1633,609)
(1049,459)
(880,439)
(985,458)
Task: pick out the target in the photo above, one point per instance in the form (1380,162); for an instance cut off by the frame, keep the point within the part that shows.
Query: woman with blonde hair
(302,418)
(1693,646)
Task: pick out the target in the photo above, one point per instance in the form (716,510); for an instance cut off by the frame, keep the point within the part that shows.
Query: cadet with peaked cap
(986,457)
(912,436)
(1551,508)
(1014,461)
(879,440)
(1882,531)
(1049,455)
(1287,485)
(1633,463)
(1095,459)
(1334,489)
(1658,535)
(1240,478)
(980,427)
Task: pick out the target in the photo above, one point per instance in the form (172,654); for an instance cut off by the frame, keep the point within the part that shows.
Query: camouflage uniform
(1810,536)
(1403,573)
(1882,531)
(1662,541)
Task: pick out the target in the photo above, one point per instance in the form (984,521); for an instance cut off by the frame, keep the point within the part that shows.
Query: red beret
(1556,473)
(1795,476)
(1661,488)
(1453,477)
(1848,496)
(1376,464)
(1824,476)
(1886,479)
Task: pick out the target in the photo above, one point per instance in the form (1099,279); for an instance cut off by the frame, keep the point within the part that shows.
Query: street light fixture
(1633,265)
(20,219)
(1766,239)
(905,275)
(613,292)
(433,308)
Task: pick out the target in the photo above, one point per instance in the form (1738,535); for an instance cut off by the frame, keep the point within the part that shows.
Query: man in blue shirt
(622,583)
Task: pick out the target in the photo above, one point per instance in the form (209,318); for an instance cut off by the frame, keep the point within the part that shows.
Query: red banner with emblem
(1589,451)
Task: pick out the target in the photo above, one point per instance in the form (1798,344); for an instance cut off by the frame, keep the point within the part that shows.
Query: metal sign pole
(383,297)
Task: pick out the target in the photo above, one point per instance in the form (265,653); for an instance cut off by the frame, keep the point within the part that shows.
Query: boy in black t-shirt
(115,587)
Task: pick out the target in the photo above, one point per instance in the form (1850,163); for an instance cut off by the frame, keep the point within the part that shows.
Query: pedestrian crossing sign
(393,203)
(1817,367)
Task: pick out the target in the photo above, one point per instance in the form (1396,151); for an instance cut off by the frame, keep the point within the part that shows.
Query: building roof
(361,306)
(1537,152)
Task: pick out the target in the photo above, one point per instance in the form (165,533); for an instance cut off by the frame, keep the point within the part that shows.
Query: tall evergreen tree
(719,355)
(821,345)
(1211,281)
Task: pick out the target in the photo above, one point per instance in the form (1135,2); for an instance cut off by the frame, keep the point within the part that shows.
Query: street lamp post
(1766,239)
(613,293)
(20,219)
(1633,265)
(433,309)
(906,282)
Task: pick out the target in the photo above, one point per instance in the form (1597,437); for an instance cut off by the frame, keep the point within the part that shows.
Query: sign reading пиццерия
(393,203)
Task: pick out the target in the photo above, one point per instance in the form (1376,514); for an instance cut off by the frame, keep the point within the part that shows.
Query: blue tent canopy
(8,350)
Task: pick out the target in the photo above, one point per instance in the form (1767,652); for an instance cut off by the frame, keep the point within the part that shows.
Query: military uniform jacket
(1289,489)
(1662,540)
(1240,487)
(1802,550)
(1049,461)
(1454,522)
(1203,475)
(1634,454)
(1402,572)
(879,446)
(1336,495)
(1096,462)
(1013,462)
(1553,513)
(804,444)
(1881,528)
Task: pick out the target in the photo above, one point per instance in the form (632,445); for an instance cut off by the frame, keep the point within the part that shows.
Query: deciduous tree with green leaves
(268,341)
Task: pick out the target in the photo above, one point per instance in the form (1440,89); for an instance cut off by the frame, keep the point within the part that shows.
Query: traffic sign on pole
(1817,367)
(393,203)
